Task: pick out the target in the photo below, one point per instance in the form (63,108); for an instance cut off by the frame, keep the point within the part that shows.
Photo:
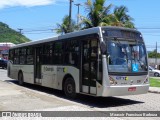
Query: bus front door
(37,65)
(89,57)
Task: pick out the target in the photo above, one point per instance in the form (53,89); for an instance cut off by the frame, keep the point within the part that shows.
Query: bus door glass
(89,66)
(37,65)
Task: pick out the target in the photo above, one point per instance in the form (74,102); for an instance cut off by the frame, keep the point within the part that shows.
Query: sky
(38,18)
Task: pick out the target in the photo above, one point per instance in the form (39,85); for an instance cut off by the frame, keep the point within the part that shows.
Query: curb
(152,91)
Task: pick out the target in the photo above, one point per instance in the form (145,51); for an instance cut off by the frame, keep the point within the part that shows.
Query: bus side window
(16,57)
(57,54)
(47,54)
(29,59)
(71,52)
(22,54)
(71,59)
(66,46)
(11,55)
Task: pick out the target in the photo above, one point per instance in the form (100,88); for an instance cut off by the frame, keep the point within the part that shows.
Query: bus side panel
(67,70)
(49,76)
(28,73)
(12,71)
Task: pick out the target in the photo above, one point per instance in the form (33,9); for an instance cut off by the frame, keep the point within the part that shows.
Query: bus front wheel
(69,88)
(20,78)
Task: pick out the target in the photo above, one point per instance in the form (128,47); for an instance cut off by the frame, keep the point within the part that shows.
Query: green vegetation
(121,18)
(9,35)
(154,82)
(98,15)
(64,27)
(153,54)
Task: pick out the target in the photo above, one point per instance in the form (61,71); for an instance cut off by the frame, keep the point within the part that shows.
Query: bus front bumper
(125,90)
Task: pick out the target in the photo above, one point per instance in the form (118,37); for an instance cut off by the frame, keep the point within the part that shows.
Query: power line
(150,34)
(34,29)
(40,30)
(20,30)
(41,33)
(148,28)
(48,29)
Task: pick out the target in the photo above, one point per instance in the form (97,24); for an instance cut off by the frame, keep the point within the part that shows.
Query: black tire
(20,79)
(156,74)
(69,88)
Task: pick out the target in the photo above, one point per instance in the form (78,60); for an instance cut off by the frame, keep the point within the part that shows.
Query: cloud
(26,3)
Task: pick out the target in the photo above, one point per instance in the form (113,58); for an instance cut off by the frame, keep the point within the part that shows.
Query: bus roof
(72,34)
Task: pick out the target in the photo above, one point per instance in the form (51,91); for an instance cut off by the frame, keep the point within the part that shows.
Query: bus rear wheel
(69,88)
(20,78)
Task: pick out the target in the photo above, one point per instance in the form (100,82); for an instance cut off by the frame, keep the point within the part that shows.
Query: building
(4,47)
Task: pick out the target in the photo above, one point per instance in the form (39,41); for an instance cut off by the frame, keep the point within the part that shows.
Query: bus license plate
(132,89)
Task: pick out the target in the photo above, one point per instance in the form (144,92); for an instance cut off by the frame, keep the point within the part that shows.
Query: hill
(9,35)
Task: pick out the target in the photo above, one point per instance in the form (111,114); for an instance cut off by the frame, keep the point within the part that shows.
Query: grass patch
(154,82)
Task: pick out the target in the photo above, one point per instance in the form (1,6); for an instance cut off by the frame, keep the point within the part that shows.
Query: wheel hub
(69,88)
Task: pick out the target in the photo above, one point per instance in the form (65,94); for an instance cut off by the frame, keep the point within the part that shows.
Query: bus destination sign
(122,34)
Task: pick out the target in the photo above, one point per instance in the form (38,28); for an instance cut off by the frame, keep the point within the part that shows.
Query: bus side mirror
(103,47)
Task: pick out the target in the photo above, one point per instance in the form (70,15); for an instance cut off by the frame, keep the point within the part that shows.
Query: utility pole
(20,30)
(78,15)
(156,57)
(70,14)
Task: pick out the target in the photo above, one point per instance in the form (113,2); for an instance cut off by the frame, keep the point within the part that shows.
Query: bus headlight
(146,81)
(112,81)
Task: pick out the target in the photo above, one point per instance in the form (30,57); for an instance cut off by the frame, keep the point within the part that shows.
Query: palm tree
(121,18)
(64,27)
(98,14)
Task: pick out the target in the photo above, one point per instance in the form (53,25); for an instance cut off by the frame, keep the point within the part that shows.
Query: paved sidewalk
(158,78)
(154,89)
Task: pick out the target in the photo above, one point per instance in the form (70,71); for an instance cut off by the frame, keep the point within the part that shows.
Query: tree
(64,27)
(153,54)
(7,34)
(121,18)
(98,14)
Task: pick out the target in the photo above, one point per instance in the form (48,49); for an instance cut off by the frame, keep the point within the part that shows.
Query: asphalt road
(30,97)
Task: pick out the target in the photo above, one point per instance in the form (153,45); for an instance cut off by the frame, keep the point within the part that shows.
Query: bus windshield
(126,56)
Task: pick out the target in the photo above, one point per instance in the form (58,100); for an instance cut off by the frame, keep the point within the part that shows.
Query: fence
(152,62)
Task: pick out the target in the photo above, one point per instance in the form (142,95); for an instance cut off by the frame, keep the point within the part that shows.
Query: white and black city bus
(100,61)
